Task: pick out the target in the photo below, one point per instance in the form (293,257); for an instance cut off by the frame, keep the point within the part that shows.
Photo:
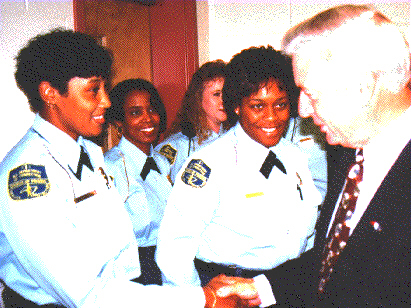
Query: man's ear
(48,93)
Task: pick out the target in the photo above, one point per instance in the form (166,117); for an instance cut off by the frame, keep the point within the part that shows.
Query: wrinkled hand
(231,292)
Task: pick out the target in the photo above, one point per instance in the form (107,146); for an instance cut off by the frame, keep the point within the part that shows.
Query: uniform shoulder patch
(28,181)
(168,152)
(196,173)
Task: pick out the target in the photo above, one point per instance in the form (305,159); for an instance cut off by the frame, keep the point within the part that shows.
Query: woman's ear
(48,93)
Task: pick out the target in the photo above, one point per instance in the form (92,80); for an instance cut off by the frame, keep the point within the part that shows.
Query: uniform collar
(215,135)
(220,132)
(255,150)
(134,155)
(59,141)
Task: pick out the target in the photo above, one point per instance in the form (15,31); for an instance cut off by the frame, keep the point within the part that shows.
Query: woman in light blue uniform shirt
(199,120)
(62,234)
(199,105)
(245,203)
(138,112)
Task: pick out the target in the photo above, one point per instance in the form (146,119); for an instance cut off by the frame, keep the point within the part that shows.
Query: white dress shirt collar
(392,139)
(379,156)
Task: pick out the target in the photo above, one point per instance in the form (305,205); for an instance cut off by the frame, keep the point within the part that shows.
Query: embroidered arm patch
(196,173)
(169,152)
(27,182)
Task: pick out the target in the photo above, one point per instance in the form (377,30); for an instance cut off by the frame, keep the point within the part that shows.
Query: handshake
(231,292)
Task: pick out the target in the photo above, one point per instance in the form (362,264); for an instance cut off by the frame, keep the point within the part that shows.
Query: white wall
(233,25)
(19,21)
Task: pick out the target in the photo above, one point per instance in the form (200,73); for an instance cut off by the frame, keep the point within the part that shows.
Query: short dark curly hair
(57,57)
(122,89)
(249,70)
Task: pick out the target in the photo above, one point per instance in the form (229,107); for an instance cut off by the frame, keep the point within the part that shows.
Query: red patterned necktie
(340,232)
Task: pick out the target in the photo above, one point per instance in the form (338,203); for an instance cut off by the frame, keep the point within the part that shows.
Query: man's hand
(231,292)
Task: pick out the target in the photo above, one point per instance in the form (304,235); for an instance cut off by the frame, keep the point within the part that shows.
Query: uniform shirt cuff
(264,290)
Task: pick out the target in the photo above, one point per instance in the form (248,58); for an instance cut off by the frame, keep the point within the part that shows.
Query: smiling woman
(139,113)
(264,115)
(200,119)
(54,182)
(245,203)
(80,111)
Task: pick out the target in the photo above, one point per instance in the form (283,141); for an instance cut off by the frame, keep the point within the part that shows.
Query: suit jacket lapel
(390,206)
(377,257)
(374,268)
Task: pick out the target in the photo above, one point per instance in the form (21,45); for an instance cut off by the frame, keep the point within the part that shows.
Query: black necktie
(269,163)
(84,160)
(149,165)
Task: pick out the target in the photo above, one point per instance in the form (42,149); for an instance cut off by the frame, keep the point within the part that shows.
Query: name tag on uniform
(256,194)
(85,196)
(105,179)
(306,143)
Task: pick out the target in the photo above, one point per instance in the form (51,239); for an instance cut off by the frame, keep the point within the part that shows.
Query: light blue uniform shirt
(144,200)
(223,210)
(69,241)
(308,137)
(176,148)
(61,238)
(301,132)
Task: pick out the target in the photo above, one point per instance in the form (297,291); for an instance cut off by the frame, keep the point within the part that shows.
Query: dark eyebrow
(136,107)
(257,100)
(95,80)
(282,98)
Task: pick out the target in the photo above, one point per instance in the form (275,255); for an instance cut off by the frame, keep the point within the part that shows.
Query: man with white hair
(353,67)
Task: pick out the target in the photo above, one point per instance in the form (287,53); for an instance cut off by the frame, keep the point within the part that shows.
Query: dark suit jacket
(374,270)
